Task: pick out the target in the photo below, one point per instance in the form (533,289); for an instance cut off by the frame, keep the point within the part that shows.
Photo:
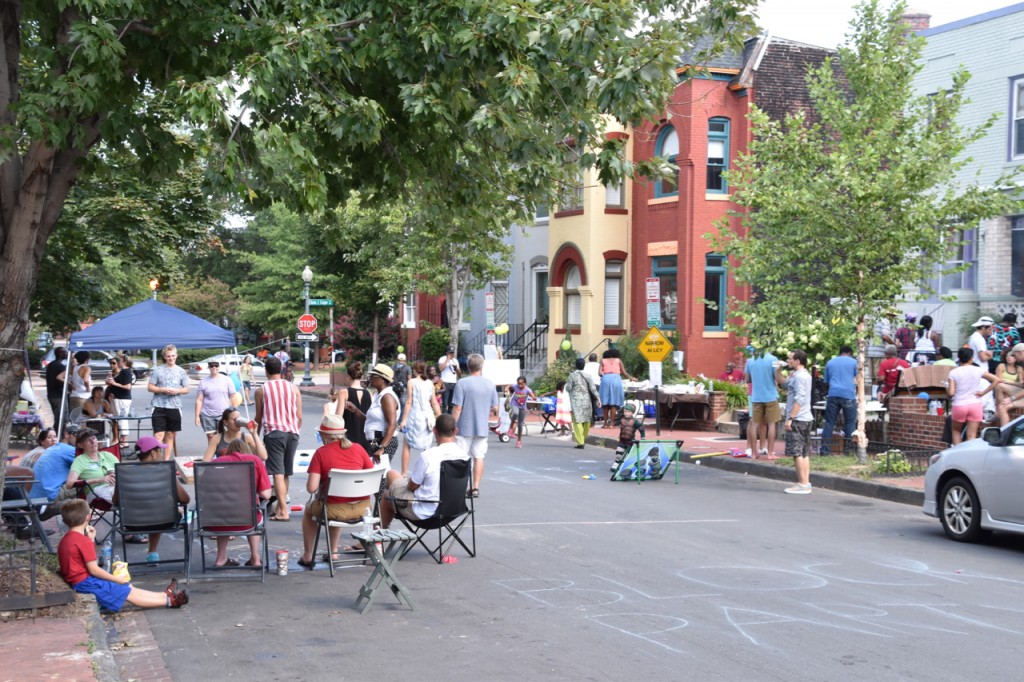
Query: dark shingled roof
(726,59)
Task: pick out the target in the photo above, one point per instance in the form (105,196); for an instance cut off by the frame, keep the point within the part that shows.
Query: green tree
(403,247)
(353,94)
(206,297)
(847,208)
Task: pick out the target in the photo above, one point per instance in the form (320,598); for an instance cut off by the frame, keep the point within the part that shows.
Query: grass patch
(841,465)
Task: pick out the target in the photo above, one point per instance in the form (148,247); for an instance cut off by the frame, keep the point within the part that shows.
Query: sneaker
(152,558)
(799,489)
(747,452)
(511,433)
(519,443)
(178,600)
(763,451)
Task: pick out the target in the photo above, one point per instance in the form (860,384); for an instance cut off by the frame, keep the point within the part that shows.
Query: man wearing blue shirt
(841,377)
(760,373)
(51,472)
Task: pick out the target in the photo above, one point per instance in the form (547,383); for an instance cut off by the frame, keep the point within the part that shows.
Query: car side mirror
(992,435)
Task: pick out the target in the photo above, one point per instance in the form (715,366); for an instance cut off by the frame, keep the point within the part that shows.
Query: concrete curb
(855,486)
(103,658)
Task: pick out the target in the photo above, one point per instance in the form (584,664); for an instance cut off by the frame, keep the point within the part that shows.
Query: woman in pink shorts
(963,387)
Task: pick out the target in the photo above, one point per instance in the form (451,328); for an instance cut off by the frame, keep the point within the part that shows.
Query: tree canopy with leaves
(844,213)
(360,94)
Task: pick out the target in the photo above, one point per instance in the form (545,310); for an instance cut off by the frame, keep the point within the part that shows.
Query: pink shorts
(970,412)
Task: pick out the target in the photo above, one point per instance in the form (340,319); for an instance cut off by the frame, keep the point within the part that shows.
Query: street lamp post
(307,278)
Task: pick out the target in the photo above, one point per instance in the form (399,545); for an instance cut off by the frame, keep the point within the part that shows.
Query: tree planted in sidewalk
(848,206)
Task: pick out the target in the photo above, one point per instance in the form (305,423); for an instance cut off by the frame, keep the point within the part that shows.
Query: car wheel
(961,511)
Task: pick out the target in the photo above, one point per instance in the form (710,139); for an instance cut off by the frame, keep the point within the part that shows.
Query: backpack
(401,382)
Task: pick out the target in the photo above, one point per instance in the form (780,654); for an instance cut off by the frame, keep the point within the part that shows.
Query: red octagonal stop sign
(307,324)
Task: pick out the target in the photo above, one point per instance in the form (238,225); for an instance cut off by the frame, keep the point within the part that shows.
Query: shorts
(971,412)
(766,413)
(281,446)
(403,498)
(109,595)
(209,424)
(474,446)
(341,511)
(166,419)
(798,439)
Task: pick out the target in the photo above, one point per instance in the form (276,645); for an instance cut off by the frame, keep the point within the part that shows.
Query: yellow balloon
(501,329)
(566,344)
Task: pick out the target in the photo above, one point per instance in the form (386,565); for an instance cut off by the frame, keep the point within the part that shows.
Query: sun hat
(332,425)
(985,321)
(147,443)
(384,372)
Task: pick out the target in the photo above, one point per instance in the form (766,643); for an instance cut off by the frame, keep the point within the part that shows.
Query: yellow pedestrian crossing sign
(655,346)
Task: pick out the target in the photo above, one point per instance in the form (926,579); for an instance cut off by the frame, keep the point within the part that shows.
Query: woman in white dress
(421,410)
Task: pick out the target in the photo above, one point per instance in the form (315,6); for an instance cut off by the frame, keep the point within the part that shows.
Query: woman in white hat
(337,452)
(381,425)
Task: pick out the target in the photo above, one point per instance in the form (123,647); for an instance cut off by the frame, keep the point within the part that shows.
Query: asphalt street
(721,577)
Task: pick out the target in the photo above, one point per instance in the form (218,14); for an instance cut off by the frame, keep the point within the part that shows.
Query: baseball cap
(983,322)
(147,443)
(401,356)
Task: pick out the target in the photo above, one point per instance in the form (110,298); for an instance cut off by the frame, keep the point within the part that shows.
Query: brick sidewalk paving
(47,649)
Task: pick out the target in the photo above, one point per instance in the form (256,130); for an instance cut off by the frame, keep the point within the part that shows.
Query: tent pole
(64,393)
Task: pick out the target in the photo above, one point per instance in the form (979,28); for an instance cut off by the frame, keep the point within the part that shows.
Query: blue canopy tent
(150,324)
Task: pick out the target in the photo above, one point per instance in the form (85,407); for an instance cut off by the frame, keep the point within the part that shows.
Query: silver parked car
(229,364)
(975,487)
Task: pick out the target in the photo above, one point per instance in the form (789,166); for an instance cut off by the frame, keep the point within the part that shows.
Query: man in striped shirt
(279,417)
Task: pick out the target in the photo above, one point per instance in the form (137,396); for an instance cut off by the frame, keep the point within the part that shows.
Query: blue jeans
(833,406)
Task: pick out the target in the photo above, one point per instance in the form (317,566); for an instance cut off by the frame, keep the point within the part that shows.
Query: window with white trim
(667,147)
(573,302)
(409,311)
(615,195)
(613,270)
(1017,118)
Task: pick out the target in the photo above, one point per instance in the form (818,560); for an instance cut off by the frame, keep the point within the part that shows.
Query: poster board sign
(648,460)
(502,372)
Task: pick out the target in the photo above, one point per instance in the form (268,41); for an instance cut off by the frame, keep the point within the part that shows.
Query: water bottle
(368,522)
(106,553)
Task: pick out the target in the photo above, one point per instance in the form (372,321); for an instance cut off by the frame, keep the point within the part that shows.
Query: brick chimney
(916,20)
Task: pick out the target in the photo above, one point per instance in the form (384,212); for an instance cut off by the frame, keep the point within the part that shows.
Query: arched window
(573,302)
(718,154)
(667,147)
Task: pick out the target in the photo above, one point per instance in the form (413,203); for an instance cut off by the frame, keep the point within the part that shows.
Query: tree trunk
(32,195)
(861,435)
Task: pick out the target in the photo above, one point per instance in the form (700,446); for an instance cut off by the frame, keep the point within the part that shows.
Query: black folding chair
(345,483)
(453,511)
(227,505)
(147,502)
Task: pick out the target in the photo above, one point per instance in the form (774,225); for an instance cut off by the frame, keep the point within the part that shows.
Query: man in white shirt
(406,495)
(448,370)
(979,341)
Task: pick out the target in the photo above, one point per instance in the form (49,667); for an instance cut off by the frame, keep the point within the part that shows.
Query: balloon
(923,396)
(401,349)
(566,344)
(501,329)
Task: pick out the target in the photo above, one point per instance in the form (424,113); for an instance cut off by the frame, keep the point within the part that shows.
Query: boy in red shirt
(78,566)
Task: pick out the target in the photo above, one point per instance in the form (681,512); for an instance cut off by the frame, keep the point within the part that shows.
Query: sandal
(250,564)
(230,563)
(306,564)
(473,492)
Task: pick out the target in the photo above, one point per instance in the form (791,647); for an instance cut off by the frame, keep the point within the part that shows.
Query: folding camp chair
(345,483)
(100,510)
(227,505)
(147,502)
(454,509)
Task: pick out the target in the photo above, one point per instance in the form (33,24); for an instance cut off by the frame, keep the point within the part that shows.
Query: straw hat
(332,425)
(384,372)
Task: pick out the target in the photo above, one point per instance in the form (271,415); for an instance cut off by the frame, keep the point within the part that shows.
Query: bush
(556,371)
(434,343)
(637,365)
(354,333)
(892,462)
